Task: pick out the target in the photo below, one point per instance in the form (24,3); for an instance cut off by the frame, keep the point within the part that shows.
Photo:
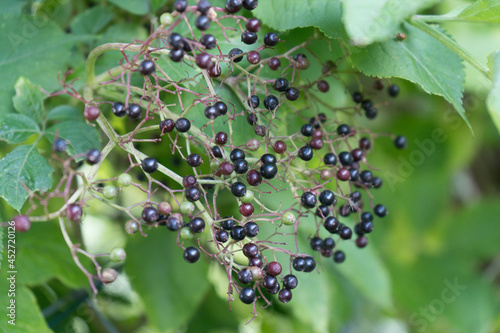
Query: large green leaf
(481,11)
(33,50)
(29,99)
(368,21)
(420,59)
(324,14)
(16,128)
(493,100)
(23,166)
(170,288)
(92,20)
(65,112)
(137,7)
(80,137)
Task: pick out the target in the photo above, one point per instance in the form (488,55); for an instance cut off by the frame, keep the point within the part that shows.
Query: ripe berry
(189,180)
(246,209)
(238,189)
(271,39)
(250,4)
(306,153)
(323,86)
(233,6)
(176,40)
(248,37)
(357,154)
(250,250)
(236,154)
(211,112)
(188,45)
(271,102)
(274,63)
(269,282)
(355,196)
(393,90)
(371,113)
(253,25)
(400,142)
(308,199)
(364,143)
(193,193)
(74,212)
(268,158)
(327,198)
(268,170)
(330,159)
(93,156)
(167,125)
(345,233)
(366,176)
(353,174)
(150,214)
(182,125)
(176,55)
(59,145)
(254,178)
(366,104)
(209,41)
(221,138)
(256,262)
(191,254)
(134,111)
(343,174)
(197,225)
(91,113)
(149,164)
(301,61)
(194,160)
(299,263)
(316,243)
(237,233)
(180,5)
(235,54)
(222,236)
(281,84)
(290,281)
(251,229)
(204,60)
(377,182)
(362,241)
(343,130)
(331,224)
(322,211)
(316,144)
(279,147)
(240,166)
(307,130)
(339,256)
(202,22)
(366,217)
(345,158)
(254,101)
(214,71)
(23,224)
(253,57)
(228,224)
(310,264)
(118,109)
(357,97)
(247,295)
(328,243)
(366,227)
(245,276)
(204,6)
(252,119)
(380,210)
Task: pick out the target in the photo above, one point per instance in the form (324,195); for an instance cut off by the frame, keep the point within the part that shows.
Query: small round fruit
(109,275)
(323,86)
(253,57)
(165,208)
(246,209)
(253,25)
(240,166)
(279,147)
(91,113)
(274,268)
(180,5)
(288,218)
(149,164)
(182,125)
(380,210)
(235,54)
(22,223)
(248,37)
(254,178)
(248,197)
(204,60)
(167,126)
(280,84)
(245,276)
(222,236)
(194,160)
(176,55)
(271,39)
(400,142)
(237,233)
(124,179)
(253,144)
(306,153)
(308,199)
(393,90)
(147,67)
(238,189)
(74,212)
(251,229)
(186,208)
(292,94)
(93,156)
(250,4)
(189,180)
(202,22)
(118,109)
(268,170)
(299,263)
(193,193)
(331,224)
(339,256)
(269,282)
(274,63)
(357,97)
(109,192)
(132,227)
(59,145)
(197,225)
(343,174)
(166,19)
(247,295)
(250,250)
(271,102)
(310,264)
(290,281)
(214,71)
(150,214)
(191,254)
(117,254)
(233,6)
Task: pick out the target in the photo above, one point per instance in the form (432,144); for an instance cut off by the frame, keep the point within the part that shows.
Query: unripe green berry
(124,179)
(109,192)
(248,197)
(186,233)
(288,218)
(187,208)
(214,164)
(117,254)
(109,275)
(166,19)
(132,227)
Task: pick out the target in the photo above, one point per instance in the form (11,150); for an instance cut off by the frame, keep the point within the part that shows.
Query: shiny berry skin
(366,227)
(191,254)
(339,257)
(180,5)
(366,104)
(251,229)
(176,55)
(380,210)
(238,189)
(307,130)
(316,243)
(118,109)
(237,233)
(268,170)
(268,158)
(353,174)
(306,153)
(235,54)
(248,37)
(176,40)
(222,236)
(328,243)
(22,223)
(91,113)
(250,4)
(194,160)
(285,295)
(182,125)
(322,211)
(254,101)
(221,108)
(355,196)
(323,86)
(308,199)
(233,6)
(204,6)
(316,144)
(377,182)
(254,178)
(281,84)
(364,143)
(150,214)
(240,166)
(371,113)
(167,125)
(214,71)
(93,156)
(211,112)
(274,63)
(292,94)
(221,138)
(59,145)
(345,233)
(236,154)
(279,147)
(174,222)
(327,198)
(310,264)
(202,22)
(193,193)
(366,176)
(247,295)
(216,151)
(134,111)
(252,119)
(246,209)
(253,25)
(357,97)
(345,158)
(256,262)
(330,159)
(393,90)
(149,164)
(331,224)
(269,282)
(209,41)
(253,57)
(74,212)
(361,241)
(366,217)
(250,250)
(189,180)
(400,142)
(271,39)
(299,263)
(271,102)
(204,60)
(227,224)
(343,130)
(357,154)
(245,276)
(343,174)
(188,45)
(290,281)
(302,62)
(197,225)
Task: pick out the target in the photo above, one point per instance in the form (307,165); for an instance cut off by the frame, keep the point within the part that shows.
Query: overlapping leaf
(493,100)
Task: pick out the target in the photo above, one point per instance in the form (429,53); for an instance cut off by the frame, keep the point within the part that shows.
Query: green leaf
(23,165)
(368,21)
(364,269)
(493,100)
(170,288)
(137,7)
(33,50)
(92,20)
(324,14)
(487,11)
(29,99)
(65,112)
(16,128)
(80,137)
(420,59)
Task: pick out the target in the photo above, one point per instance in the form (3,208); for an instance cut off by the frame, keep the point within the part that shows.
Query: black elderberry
(252,119)
(400,142)
(281,84)
(380,210)
(237,233)
(191,254)
(345,158)
(240,166)
(250,4)
(331,224)
(167,125)
(322,211)
(271,39)
(149,164)
(327,198)
(59,145)
(393,90)
(245,276)
(216,151)
(310,264)
(176,40)
(354,174)
(339,256)
(118,109)
(247,295)
(254,101)
(248,37)
(307,130)
(299,263)
(209,41)
(251,229)
(377,182)
(238,189)
(366,217)
(357,97)
(182,125)
(371,113)
(330,159)
(268,158)
(197,225)
(271,102)
(204,6)
(233,6)
(345,233)
(173,223)
(268,170)
(134,111)
(292,94)
(147,67)
(308,199)
(269,282)
(150,214)
(194,160)
(236,154)
(290,281)
(366,176)
(316,243)
(193,193)
(366,227)
(328,243)
(285,296)
(222,236)
(253,25)
(228,224)
(176,55)
(180,5)
(366,104)
(306,153)
(250,250)
(254,178)
(235,54)
(343,130)
(202,22)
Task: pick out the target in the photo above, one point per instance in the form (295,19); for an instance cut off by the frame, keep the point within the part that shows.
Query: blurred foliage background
(433,264)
